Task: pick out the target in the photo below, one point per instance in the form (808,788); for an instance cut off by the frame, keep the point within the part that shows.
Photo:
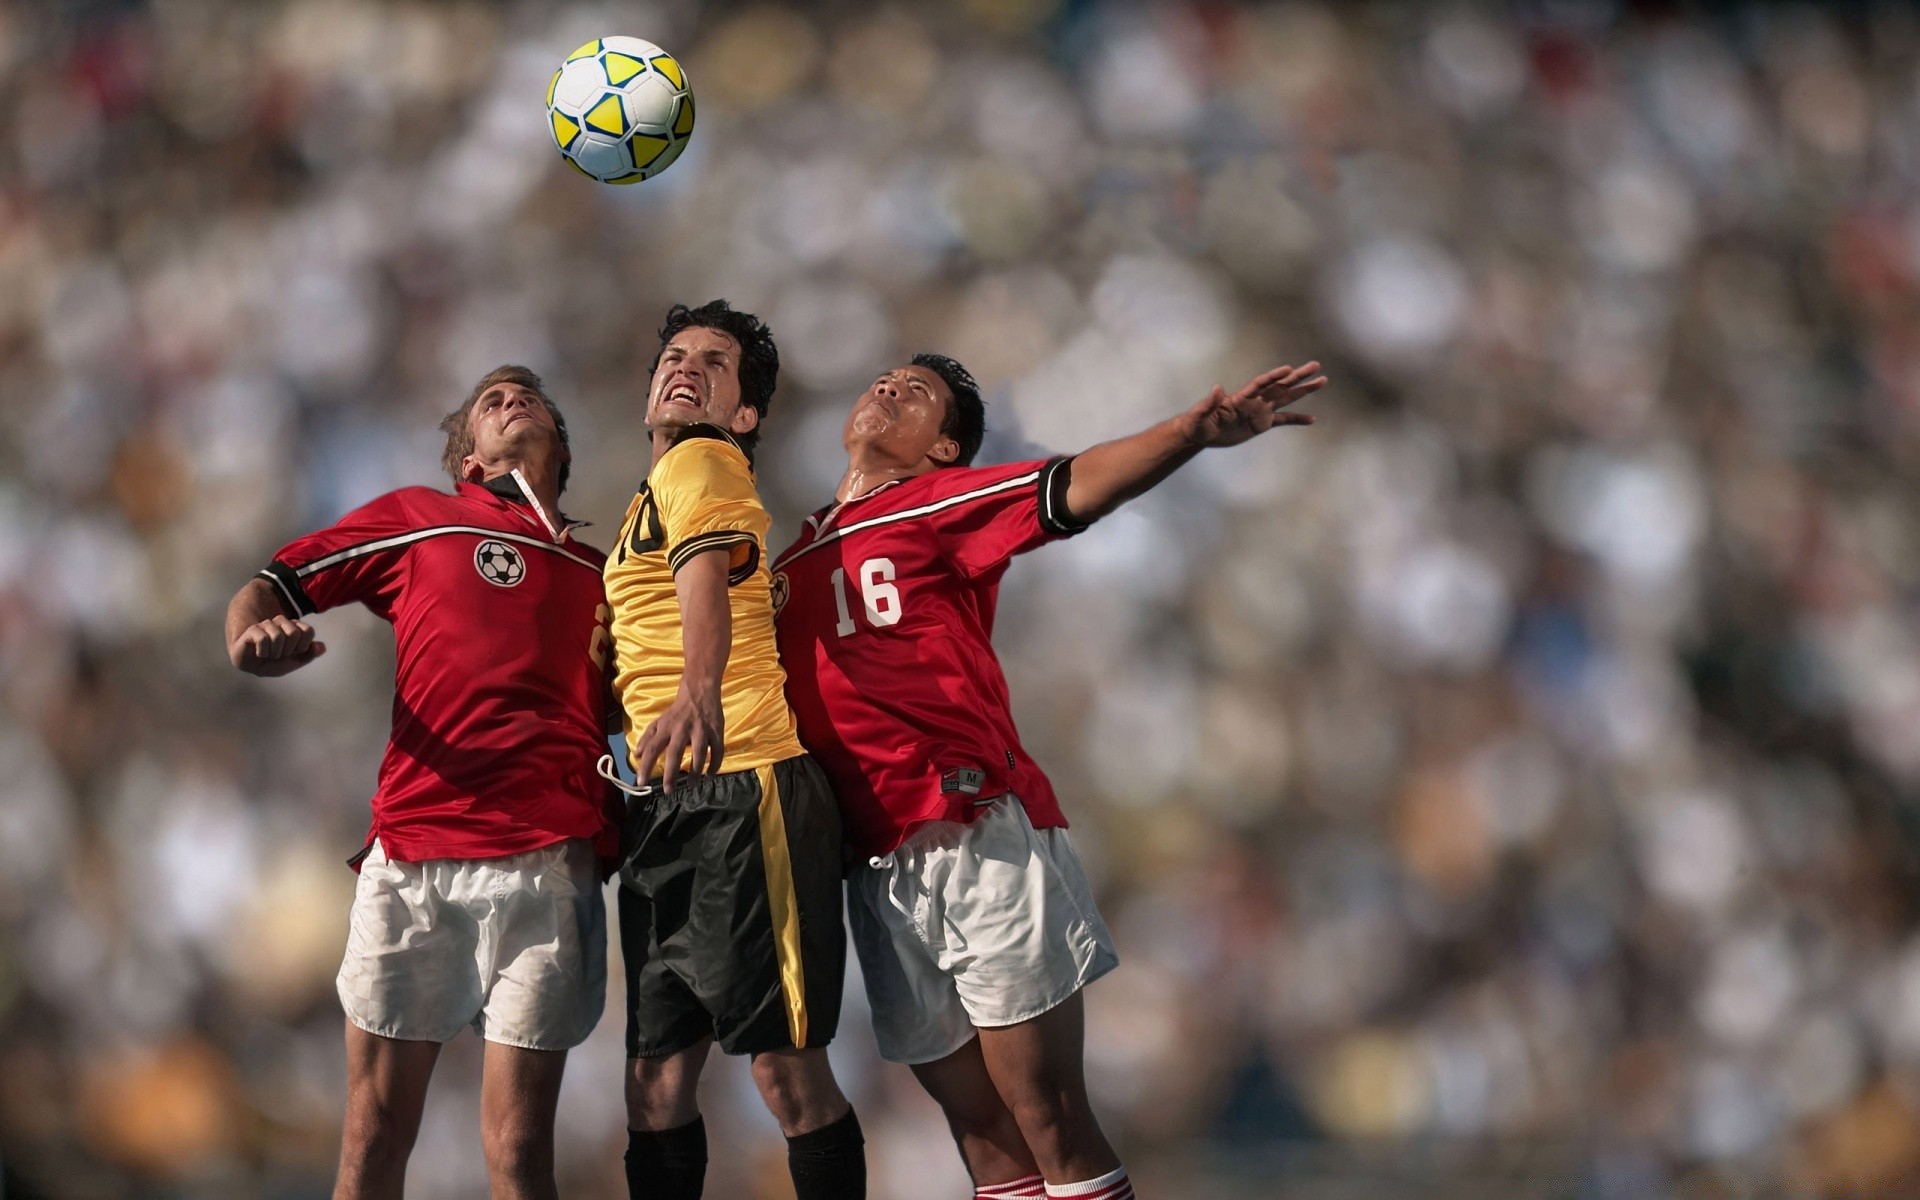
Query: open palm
(1228,418)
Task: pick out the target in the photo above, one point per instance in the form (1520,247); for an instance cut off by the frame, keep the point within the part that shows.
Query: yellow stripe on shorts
(782,905)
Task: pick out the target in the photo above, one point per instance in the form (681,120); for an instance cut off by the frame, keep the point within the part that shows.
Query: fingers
(279,639)
(719,754)
(1278,377)
(1308,387)
(676,750)
(697,745)
(647,751)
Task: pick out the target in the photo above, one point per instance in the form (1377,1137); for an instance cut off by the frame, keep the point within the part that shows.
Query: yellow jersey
(699,496)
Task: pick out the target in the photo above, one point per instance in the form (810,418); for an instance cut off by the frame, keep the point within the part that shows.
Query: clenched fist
(275,646)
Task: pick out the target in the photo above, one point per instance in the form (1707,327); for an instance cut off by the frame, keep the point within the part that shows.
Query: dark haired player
(479,894)
(730,909)
(972,917)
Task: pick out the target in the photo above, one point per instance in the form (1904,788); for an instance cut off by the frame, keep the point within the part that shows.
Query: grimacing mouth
(681,393)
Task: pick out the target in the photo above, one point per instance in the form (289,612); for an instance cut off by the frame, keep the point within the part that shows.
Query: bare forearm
(706,622)
(252,604)
(1112,473)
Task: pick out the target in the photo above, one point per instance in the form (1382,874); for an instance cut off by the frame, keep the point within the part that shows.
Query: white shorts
(516,947)
(973,925)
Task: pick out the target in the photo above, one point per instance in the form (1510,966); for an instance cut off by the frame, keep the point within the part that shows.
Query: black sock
(830,1163)
(668,1165)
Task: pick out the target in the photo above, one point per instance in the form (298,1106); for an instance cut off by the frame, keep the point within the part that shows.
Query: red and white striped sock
(1027,1187)
(1114,1185)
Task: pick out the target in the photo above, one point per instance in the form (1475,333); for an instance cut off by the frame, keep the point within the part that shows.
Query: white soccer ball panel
(636,47)
(602,158)
(649,100)
(581,82)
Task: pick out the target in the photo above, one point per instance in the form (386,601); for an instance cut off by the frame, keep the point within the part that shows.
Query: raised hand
(1229,418)
(275,646)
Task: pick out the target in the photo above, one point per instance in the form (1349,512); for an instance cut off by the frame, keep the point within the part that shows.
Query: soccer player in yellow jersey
(730,904)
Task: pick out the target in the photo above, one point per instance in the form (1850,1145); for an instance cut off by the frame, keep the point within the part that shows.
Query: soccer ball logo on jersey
(778,592)
(499,564)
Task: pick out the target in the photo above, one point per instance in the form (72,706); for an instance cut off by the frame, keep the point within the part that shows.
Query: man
(972,917)
(730,916)
(479,899)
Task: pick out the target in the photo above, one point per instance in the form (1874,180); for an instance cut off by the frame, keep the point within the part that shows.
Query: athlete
(730,905)
(973,920)
(478,901)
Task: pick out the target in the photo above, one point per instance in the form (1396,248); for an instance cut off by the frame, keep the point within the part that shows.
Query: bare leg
(982,1124)
(1038,1068)
(386,1091)
(662,1093)
(519,1089)
(799,1089)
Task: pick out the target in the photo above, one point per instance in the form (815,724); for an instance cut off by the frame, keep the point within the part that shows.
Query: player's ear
(746,419)
(471,470)
(946,452)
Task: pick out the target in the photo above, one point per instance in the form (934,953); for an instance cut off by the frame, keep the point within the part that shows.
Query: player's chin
(674,416)
(869,422)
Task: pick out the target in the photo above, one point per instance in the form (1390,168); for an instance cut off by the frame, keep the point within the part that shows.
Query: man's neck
(542,480)
(867,472)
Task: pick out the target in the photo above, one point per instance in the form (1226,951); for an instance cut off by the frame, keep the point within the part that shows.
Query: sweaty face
(698,380)
(901,412)
(509,421)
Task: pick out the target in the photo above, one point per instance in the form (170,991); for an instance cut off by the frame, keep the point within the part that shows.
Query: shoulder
(409,505)
(586,550)
(949,483)
(699,452)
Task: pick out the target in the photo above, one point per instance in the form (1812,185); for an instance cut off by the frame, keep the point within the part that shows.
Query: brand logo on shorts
(499,563)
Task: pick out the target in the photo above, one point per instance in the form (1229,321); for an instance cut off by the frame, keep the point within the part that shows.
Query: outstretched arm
(1112,473)
(261,639)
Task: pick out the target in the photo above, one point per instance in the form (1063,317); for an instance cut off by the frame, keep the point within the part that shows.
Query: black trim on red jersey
(700,543)
(286,585)
(1055,517)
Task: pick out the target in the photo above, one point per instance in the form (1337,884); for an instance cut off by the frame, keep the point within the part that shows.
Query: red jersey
(886,632)
(500,631)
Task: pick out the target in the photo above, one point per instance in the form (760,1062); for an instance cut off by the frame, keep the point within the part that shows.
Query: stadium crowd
(1510,783)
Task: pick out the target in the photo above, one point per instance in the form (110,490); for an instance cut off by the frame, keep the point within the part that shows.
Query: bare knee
(377,1135)
(799,1090)
(986,1122)
(662,1093)
(518,1149)
(1050,1118)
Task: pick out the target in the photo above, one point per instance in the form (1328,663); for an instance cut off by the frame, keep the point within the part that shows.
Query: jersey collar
(512,487)
(824,515)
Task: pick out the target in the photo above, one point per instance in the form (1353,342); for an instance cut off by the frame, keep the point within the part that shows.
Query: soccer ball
(620,110)
(499,563)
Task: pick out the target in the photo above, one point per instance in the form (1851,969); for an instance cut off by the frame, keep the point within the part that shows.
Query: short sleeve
(703,490)
(357,558)
(1004,511)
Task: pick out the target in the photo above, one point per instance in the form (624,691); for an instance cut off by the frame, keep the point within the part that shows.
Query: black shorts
(730,913)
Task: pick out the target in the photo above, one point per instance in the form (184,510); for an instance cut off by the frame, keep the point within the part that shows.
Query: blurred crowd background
(1506,787)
